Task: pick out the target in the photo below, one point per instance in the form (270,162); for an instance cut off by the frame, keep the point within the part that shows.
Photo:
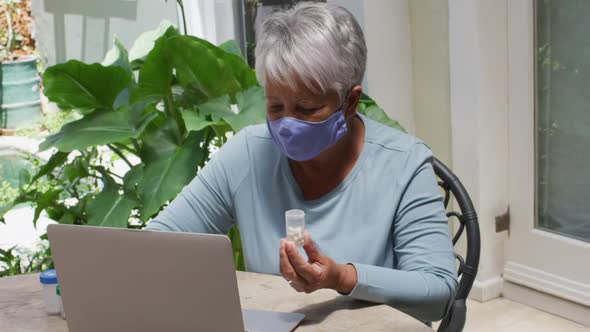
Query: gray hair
(318,44)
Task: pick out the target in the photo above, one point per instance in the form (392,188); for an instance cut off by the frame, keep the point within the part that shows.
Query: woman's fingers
(310,249)
(298,287)
(312,273)
(319,272)
(287,270)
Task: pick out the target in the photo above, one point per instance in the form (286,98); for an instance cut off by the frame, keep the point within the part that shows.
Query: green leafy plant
(12,262)
(16,168)
(17,261)
(149,119)
(46,124)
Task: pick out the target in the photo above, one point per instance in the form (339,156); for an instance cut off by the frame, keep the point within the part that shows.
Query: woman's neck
(320,175)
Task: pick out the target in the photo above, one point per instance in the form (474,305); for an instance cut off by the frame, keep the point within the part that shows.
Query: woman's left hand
(317,273)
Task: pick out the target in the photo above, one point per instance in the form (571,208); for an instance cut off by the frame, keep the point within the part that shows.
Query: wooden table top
(21,307)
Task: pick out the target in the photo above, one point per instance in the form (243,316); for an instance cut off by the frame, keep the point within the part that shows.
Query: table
(21,307)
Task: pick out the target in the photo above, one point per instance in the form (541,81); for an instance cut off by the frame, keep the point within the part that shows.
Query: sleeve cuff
(361,281)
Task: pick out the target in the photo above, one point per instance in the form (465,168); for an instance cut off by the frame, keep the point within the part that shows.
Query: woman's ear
(352,101)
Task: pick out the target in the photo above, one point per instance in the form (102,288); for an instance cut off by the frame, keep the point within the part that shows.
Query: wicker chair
(454,321)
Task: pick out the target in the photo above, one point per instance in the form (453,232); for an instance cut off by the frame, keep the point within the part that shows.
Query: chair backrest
(468,224)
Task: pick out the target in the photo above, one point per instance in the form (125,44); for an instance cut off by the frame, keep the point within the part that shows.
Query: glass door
(562,117)
(549,126)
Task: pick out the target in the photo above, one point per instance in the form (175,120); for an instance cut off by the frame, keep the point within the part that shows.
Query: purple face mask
(302,140)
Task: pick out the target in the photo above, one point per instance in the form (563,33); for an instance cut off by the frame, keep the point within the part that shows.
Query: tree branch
(120,154)
(126,148)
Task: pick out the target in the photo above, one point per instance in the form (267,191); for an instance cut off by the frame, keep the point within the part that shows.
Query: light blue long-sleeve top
(386,218)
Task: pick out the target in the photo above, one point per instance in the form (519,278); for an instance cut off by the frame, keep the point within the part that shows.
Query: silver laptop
(130,280)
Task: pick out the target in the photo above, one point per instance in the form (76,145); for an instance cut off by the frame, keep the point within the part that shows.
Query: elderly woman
(372,205)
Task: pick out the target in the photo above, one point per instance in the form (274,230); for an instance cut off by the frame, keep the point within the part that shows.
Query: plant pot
(19,92)
(7,132)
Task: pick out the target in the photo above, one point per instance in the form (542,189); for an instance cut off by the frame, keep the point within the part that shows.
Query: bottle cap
(48,277)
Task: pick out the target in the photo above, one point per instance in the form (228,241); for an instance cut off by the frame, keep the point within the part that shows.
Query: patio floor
(507,316)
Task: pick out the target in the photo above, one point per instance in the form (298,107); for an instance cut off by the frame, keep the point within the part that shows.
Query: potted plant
(159,109)
(19,80)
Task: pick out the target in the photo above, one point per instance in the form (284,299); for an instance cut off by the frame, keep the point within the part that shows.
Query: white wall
(213,20)
(479,122)
(408,65)
(493,150)
(389,66)
(429,23)
(84,29)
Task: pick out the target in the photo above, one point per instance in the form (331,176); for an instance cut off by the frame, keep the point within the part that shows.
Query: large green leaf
(202,66)
(163,179)
(75,84)
(252,109)
(118,57)
(140,115)
(110,208)
(376,113)
(45,200)
(195,121)
(242,71)
(232,47)
(155,76)
(160,141)
(98,128)
(365,98)
(187,97)
(217,108)
(145,42)
(76,169)
(56,160)
(132,179)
